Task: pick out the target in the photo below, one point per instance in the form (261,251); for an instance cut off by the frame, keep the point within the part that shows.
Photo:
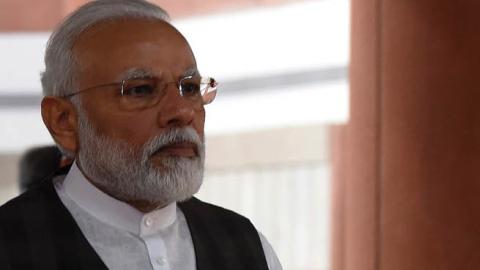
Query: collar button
(148,222)
(161,261)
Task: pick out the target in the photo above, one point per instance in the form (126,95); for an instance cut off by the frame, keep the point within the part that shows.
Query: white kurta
(125,238)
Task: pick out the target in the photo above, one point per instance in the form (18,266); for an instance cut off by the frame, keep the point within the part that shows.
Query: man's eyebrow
(134,73)
(190,72)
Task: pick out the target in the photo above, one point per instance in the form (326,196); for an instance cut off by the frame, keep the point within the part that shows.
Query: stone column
(412,159)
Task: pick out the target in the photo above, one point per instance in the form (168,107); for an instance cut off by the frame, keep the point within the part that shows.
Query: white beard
(127,173)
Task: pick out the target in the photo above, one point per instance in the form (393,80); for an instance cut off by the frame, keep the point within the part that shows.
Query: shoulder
(20,218)
(34,199)
(29,201)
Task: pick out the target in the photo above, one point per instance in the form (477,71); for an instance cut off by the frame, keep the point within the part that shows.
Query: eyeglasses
(142,93)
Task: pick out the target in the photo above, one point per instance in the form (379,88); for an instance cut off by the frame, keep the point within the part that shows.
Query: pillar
(411,196)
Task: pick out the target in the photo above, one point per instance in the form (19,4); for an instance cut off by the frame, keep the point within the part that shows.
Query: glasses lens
(139,93)
(142,93)
(209,89)
(190,87)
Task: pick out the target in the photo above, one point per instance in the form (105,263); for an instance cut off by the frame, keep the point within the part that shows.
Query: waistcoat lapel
(222,239)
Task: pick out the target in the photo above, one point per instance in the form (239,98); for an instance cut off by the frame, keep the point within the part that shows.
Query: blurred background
(376,169)
(282,67)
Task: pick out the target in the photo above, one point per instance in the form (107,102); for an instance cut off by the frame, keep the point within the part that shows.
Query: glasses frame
(207,97)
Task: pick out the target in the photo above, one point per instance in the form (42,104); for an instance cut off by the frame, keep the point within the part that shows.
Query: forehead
(109,49)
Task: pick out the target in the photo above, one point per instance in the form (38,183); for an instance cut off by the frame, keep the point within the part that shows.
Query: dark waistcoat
(38,232)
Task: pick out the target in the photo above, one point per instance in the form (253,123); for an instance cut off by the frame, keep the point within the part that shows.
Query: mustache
(172,136)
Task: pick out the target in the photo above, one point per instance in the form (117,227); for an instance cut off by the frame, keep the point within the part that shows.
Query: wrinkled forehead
(133,44)
(145,72)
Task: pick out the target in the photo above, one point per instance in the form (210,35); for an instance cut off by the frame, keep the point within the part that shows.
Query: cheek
(199,122)
(133,128)
(136,130)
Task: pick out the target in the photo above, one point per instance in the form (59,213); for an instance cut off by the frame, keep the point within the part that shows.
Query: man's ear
(60,117)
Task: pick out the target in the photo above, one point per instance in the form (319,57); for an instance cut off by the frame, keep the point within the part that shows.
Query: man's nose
(175,110)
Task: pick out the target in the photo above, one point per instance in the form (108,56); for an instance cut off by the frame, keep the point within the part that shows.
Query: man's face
(128,153)
(108,51)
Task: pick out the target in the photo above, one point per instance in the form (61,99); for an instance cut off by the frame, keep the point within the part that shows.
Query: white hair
(59,76)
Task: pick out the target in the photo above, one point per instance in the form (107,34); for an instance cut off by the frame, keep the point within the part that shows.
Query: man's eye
(142,90)
(190,89)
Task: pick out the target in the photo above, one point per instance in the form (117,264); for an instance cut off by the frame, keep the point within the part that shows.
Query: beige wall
(296,145)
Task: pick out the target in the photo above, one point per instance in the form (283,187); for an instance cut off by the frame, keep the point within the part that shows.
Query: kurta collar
(112,211)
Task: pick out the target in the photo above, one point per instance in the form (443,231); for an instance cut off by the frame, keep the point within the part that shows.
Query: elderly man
(124,98)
